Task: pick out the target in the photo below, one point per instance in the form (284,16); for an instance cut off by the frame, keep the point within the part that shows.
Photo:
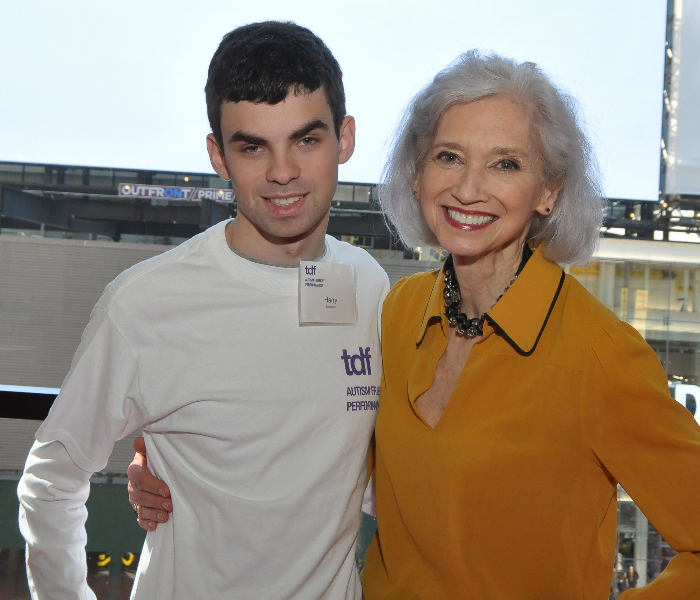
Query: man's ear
(216,157)
(346,140)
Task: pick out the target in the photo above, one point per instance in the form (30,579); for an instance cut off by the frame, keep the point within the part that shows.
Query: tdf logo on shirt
(352,362)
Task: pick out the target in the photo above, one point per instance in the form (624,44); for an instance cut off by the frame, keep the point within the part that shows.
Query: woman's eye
(508,165)
(448,157)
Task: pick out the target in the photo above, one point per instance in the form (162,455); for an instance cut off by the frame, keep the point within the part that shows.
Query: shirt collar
(521,315)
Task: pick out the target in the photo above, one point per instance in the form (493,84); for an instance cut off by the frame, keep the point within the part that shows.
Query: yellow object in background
(103,559)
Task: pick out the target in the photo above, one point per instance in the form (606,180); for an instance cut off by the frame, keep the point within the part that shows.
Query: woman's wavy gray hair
(570,234)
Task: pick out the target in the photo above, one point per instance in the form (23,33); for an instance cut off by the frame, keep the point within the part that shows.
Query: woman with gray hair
(512,401)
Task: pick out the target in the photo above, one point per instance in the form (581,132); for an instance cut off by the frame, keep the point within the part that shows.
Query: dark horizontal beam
(23,405)
(36,209)
(369,225)
(106,217)
(26,207)
(132,211)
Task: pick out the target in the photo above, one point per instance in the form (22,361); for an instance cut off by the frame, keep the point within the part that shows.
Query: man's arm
(52,515)
(100,402)
(148,495)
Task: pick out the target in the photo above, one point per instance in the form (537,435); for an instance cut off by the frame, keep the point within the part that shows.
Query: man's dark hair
(264,62)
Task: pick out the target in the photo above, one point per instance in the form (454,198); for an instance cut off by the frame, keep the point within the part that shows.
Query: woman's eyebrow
(508,150)
(496,150)
(450,145)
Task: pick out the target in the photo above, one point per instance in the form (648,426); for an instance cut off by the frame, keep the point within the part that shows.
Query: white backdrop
(683,172)
(120,84)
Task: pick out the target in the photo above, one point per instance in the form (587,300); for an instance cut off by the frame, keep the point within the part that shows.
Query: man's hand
(149,496)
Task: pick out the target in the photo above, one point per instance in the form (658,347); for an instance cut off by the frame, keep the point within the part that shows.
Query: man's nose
(283,168)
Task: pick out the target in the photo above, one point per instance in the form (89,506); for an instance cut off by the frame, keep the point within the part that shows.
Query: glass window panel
(101,178)
(343,193)
(10,172)
(642,554)
(33,174)
(627,515)
(217,182)
(186,180)
(73,176)
(164,179)
(123,176)
(361,193)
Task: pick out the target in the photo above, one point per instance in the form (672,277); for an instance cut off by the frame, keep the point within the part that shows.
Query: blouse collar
(521,315)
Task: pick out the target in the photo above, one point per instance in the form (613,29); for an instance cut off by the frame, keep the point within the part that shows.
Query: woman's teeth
(285,201)
(469,219)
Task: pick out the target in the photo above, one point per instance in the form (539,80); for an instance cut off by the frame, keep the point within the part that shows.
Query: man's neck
(288,252)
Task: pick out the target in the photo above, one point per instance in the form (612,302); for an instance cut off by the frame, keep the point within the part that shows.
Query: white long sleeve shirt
(52,492)
(259,426)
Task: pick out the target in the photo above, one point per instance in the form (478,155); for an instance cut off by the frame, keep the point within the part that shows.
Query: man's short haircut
(264,62)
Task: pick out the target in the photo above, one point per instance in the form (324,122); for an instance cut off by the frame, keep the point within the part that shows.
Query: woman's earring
(547,210)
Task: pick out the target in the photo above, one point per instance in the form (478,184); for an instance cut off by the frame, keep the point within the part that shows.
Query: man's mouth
(285,201)
(469,219)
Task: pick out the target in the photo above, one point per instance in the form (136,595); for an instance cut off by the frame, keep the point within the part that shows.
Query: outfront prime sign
(140,190)
(214,194)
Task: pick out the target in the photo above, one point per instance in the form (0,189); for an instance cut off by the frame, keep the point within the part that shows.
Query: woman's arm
(651,446)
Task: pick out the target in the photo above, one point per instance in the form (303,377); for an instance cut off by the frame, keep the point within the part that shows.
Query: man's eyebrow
(308,128)
(247,138)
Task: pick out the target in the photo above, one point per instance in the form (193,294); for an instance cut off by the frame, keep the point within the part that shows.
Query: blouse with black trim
(513,493)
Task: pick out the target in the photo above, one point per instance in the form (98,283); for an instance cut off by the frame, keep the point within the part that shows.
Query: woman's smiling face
(482,182)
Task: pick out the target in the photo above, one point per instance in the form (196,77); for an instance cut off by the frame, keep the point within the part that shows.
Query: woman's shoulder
(601,324)
(409,290)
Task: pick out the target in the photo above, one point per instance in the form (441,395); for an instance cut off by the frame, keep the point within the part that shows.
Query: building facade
(66,231)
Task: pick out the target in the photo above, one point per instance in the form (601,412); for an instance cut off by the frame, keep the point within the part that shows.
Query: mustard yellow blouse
(513,493)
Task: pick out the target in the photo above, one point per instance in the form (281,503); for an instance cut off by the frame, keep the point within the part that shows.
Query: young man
(217,351)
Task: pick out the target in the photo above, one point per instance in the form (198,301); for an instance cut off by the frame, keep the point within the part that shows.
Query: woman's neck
(483,280)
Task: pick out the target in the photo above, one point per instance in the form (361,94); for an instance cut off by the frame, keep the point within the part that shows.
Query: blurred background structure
(67,230)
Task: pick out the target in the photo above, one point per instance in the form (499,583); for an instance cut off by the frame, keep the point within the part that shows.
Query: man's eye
(307,141)
(252,149)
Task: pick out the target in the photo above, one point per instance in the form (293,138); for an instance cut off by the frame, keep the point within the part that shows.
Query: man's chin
(290,232)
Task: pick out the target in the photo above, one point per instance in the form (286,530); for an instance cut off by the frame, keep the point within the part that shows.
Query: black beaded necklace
(465,326)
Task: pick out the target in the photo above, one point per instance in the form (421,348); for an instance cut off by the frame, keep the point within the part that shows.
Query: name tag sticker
(326,294)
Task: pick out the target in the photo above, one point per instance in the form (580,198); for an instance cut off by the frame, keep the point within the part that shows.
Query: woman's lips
(470,220)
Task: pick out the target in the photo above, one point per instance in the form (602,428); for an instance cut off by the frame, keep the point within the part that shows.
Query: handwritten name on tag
(326,294)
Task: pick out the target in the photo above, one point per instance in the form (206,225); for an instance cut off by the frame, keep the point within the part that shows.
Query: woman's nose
(470,187)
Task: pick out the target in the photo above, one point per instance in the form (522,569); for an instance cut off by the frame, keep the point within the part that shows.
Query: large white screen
(683,171)
(120,84)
